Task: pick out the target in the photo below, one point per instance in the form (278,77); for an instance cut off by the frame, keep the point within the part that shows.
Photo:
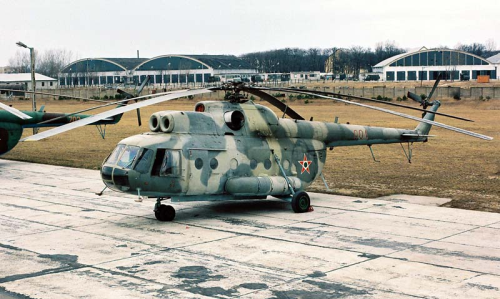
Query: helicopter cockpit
(123,169)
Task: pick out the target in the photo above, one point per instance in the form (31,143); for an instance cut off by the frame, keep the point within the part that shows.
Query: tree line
(48,63)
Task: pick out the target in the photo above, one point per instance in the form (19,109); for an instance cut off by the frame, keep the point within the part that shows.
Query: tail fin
(425,128)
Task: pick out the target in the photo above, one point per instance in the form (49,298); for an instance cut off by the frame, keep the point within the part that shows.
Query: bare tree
(52,61)
(20,62)
(491,45)
(48,63)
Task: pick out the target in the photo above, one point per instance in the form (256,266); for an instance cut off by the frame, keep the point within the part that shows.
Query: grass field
(451,165)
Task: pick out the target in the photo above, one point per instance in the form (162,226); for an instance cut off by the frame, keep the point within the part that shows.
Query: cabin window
(214,163)
(128,156)
(198,163)
(171,165)
(144,161)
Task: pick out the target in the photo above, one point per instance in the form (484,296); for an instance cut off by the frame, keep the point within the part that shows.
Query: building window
(43,84)
(51,83)
(422,75)
(431,58)
(408,61)
(401,76)
(389,76)
(470,60)
(446,58)
(454,58)
(423,59)
(412,75)
(439,58)
(415,60)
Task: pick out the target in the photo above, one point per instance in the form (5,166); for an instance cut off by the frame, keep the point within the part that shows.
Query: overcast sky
(117,28)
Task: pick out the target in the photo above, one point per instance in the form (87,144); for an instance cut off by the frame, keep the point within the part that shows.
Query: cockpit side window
(115,154)
(128,156)
(171,165)
(144,161)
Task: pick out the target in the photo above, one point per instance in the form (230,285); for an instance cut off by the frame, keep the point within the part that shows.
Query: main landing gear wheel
(165,213)
(300,202)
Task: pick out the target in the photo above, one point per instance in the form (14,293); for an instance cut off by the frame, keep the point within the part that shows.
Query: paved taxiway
(59,240)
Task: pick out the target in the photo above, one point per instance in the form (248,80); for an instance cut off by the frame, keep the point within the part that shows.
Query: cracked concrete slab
(59,240)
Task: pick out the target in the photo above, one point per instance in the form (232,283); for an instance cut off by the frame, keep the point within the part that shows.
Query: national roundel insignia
(305,165)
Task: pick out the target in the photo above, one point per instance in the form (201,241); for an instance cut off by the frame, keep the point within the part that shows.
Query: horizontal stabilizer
(416,135)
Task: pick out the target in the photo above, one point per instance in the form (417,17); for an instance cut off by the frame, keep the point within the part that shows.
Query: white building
(426,64)
(24,79)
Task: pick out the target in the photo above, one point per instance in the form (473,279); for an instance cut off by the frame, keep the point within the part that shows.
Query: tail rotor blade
(415,97)
(143,84)
(434,87)
(126,94)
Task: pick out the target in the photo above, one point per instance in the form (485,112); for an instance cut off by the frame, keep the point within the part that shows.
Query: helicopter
(13,121)
(238,149)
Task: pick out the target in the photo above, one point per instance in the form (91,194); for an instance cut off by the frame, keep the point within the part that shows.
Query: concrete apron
(59,240)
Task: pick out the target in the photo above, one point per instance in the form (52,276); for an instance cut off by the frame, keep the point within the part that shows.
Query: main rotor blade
(109,104)
(370,100)
(56,95)
(14,111)
(434,87)
(110,113)
(275,102)
(437,124)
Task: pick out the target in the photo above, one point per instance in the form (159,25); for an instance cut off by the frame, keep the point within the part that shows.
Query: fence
(389,92)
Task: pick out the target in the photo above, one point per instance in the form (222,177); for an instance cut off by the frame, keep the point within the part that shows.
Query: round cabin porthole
(267,164)
(198,163)
(214,163)
(253,164)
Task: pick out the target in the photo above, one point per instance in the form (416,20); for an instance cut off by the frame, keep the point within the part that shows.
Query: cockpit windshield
(128,156)
(115,154)
(123,155)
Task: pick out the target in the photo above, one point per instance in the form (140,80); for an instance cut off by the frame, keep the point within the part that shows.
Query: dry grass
(450,165)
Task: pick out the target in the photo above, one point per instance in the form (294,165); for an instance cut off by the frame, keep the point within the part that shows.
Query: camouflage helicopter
(238,149)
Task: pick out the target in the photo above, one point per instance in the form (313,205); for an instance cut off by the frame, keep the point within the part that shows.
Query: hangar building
(164,69)
(426,64)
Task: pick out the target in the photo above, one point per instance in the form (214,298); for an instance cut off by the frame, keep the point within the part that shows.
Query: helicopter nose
(115,178)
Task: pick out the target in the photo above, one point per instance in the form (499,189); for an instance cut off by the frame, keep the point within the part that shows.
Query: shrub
(252,98)
(283,101)
(307,101)
(481,98)
(488,98)
(105,97)
(423,96)
(455,95)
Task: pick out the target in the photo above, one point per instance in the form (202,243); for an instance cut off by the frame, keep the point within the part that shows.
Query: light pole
(33,83)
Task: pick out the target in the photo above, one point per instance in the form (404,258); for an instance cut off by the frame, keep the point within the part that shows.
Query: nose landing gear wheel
(165,213)
(300,202)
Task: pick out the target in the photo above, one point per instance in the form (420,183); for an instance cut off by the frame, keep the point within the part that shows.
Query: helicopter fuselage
(225,150)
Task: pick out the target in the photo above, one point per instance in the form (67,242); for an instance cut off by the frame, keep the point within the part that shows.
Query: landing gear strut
(301,202)
(164,212)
